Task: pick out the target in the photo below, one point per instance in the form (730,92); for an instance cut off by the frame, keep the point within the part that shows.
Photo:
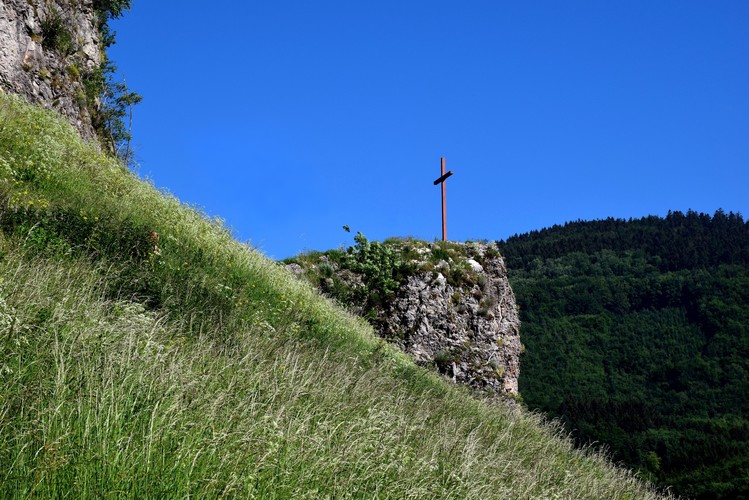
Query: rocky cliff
(47,48)
(449,305)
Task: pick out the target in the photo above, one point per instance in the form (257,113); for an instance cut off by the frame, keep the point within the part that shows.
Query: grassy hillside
(145,353)
(637,336)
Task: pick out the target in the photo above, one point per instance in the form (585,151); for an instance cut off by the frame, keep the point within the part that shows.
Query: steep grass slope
(145,353)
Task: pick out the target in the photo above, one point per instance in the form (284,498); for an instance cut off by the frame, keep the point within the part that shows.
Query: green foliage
(115,116)
(110,102)
(443,360)
(106,10)
(56,34)
(440,253)
(445,250)
(461,274)
(378,264)
(637,337)
(112,8)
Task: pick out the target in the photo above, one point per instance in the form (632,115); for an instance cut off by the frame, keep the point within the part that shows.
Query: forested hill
(678,241)
(637,337)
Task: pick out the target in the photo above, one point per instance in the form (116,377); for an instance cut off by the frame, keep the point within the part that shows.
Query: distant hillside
(144,353)
(637,337)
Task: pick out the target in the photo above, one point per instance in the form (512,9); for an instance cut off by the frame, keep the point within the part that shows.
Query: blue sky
(290,119)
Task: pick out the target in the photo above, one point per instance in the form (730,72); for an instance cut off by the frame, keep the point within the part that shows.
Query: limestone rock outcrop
(453,308)
(46,49)
(468,328)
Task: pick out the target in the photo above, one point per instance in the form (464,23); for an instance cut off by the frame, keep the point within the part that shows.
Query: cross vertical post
(444,201)
(441,180)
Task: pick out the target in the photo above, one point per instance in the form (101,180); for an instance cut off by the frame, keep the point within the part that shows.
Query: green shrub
(443,360)
(485,307)
(378,265)
(440,253)
(56,35)
(326,269)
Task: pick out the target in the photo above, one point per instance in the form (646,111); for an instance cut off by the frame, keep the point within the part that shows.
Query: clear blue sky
(291,119)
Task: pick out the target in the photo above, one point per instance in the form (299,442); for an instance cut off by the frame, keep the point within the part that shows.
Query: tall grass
(145,353)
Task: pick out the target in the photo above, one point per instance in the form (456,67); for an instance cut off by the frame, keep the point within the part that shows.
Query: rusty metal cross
(442,180)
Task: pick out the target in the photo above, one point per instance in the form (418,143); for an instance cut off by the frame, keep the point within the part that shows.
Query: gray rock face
(453,311)
(49,71)
(295,269)
(469,329)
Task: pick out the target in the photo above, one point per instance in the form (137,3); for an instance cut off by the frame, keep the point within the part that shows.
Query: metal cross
(442,180)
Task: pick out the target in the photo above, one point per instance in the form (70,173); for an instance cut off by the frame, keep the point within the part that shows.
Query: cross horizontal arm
(445,176)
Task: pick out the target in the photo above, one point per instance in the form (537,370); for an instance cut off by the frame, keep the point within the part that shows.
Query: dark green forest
(637,338)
